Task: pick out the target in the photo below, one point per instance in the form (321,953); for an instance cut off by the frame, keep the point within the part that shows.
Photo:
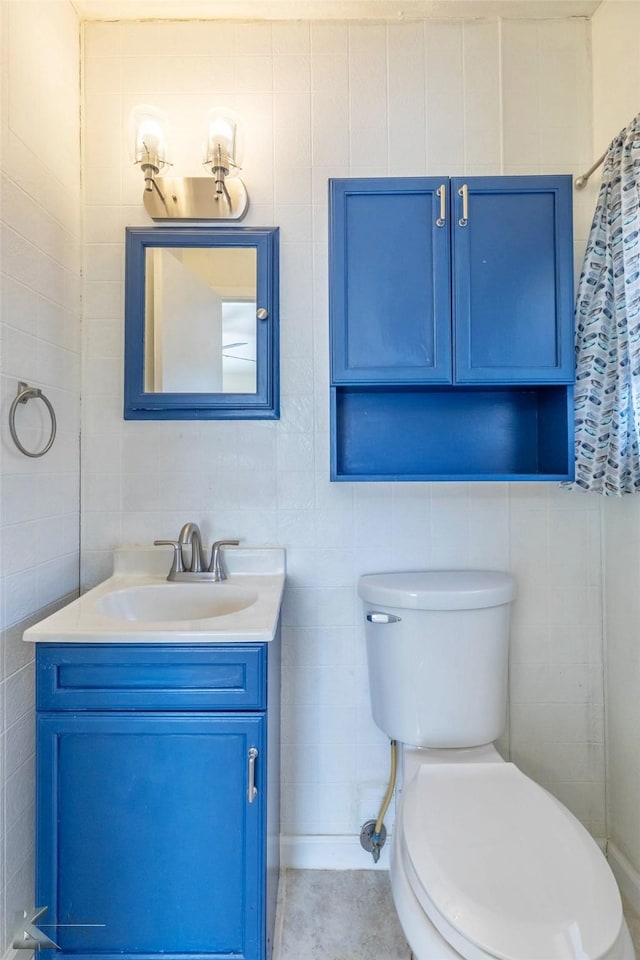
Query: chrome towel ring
(25,392)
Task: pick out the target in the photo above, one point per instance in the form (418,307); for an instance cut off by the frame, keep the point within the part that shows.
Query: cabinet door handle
(252,791)
(442,193)
(464,193)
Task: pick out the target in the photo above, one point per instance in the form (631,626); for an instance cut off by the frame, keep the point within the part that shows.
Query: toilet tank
(437,651)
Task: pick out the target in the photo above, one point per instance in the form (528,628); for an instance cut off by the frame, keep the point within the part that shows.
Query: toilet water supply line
(377,840)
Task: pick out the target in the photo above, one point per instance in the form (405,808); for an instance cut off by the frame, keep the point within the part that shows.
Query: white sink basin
(138,605)
(175,601)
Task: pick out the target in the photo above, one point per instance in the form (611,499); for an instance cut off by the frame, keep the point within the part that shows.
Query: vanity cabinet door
(512,280)
(390,294)
(149,843)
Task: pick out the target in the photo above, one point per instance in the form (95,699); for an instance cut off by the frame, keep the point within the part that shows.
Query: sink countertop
(261,570)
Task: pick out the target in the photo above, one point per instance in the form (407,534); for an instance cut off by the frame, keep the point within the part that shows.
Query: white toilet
(485,864)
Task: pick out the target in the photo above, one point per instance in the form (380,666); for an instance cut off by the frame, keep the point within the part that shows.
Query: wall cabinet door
(512,279)
(399,247)
(148,842)
(390,293)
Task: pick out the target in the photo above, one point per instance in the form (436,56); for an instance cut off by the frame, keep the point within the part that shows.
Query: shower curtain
(607,392)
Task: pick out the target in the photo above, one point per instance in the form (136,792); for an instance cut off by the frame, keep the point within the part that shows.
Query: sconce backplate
(194,198)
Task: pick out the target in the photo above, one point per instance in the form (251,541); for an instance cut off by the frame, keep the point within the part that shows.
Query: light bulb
(223,144)
(149,147)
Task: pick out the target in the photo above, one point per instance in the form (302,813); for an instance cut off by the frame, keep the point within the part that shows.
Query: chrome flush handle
(375,617)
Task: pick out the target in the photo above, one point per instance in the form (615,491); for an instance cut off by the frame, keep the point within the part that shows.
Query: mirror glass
(200,320)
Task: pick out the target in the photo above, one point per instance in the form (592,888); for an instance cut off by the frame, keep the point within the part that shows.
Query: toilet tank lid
(439,589)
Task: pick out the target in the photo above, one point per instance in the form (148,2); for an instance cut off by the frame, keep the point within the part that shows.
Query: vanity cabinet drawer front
(153,677)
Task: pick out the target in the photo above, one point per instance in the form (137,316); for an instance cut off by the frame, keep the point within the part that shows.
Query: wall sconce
(223,148)
(190,198)
(148,132)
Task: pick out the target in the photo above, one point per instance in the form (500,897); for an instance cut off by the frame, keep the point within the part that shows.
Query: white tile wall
(616,69)
(322,100)
(40,343)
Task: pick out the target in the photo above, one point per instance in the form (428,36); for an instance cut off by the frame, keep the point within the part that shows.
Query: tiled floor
(348,915)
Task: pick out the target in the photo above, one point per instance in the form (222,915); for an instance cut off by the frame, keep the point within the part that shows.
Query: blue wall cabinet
(451,318)
(156,817)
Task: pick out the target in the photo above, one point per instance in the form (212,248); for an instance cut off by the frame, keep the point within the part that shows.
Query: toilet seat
(502,869)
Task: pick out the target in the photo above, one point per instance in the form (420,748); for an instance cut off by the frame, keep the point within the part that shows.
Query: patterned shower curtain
(607,393)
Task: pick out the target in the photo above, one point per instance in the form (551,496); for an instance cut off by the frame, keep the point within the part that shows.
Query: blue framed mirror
(201,323)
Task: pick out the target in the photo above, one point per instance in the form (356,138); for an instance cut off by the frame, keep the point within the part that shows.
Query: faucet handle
(215,565)
(177,566)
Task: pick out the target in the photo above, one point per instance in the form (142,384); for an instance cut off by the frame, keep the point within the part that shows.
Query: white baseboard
(626,874)
(311,852)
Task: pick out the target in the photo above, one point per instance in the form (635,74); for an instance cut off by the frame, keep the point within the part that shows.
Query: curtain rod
(581,181)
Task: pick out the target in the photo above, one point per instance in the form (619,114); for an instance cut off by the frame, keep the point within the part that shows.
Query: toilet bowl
(485,863)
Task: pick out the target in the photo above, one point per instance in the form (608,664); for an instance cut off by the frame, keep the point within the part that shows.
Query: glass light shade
(224,142)
(148,136)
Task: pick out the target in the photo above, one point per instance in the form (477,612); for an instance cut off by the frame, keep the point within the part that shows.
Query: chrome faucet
(190,536)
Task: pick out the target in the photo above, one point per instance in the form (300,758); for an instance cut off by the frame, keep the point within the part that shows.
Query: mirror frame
(264,404)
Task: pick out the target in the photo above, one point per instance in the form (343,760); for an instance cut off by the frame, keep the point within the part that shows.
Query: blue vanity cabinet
(157,799)
(451,328)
